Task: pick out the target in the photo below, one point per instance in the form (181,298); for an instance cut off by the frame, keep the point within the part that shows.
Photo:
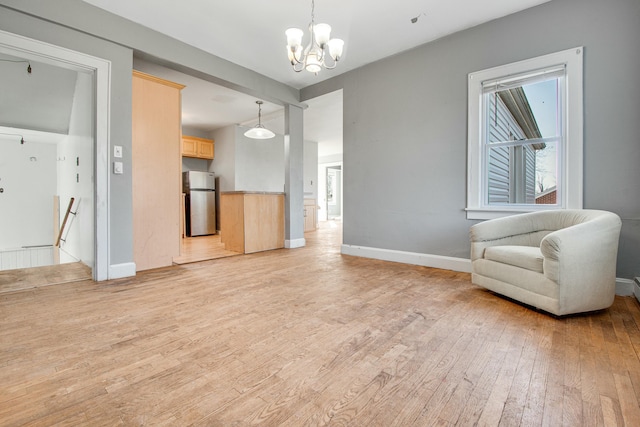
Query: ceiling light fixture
(312,58)
(259,131)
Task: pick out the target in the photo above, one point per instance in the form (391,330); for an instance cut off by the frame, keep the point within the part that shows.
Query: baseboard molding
(295,243)
(426,260)
(118,271)
(636,288)
(624,287)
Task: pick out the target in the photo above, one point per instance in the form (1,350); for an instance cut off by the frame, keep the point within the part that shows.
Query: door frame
(36,50)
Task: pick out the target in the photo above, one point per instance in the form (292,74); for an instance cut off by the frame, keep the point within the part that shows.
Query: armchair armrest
(582,259)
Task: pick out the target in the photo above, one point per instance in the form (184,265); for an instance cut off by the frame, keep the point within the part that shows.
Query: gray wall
(405,117)
(224,163)
(310,170)
(259,163)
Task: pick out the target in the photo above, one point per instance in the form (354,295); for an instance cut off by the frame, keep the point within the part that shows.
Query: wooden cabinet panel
(252,222)
(310,215)
(197,147)
(156,125)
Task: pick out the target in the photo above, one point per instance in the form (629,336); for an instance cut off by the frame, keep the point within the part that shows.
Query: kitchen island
(251,221)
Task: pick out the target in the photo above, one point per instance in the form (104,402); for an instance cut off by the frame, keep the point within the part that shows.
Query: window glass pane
(543,101)
(522,174)
(546,166)
(522,137)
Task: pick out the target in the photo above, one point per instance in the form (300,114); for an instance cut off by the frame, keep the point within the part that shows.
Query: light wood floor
(202,248)
(35,277)
(309,337)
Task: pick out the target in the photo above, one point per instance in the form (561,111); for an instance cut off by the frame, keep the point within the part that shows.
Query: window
(525,136)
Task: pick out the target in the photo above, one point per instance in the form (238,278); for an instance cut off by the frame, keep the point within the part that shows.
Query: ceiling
(27,95)
(250,33)
(371,31)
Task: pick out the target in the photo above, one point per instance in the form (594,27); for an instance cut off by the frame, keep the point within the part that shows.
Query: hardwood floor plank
(309,337)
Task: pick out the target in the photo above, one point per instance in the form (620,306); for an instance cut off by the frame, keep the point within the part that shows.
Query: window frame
(570,153)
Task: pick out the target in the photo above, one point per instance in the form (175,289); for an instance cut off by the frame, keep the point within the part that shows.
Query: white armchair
(560,261)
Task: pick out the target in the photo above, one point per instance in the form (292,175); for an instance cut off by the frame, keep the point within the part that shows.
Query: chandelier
(313,57)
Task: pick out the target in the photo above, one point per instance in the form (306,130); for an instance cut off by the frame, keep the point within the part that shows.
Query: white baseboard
(624,287)
(425,260)
(118,271)
(295,243)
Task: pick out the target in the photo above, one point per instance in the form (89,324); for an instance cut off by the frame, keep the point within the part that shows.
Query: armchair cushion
(527,257)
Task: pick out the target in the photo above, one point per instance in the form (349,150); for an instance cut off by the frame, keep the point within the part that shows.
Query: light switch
(118,169)
(117,151)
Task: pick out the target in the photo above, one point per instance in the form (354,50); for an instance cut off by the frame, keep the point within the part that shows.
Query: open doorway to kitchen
(47,156)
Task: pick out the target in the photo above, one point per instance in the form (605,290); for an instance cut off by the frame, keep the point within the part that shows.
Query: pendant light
(259,131)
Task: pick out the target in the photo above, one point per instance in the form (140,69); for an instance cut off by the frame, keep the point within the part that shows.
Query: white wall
(27,175)
(75,176)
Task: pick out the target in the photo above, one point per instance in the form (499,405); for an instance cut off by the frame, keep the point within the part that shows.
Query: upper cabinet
(197,147)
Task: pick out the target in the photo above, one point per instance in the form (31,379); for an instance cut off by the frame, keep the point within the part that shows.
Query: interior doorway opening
(60,137)
(334,193)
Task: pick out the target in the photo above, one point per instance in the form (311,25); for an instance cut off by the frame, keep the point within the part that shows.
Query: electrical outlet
(117,151)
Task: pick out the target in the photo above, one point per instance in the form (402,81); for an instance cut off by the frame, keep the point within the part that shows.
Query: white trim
(427,260)
(295,243)
(571,157)
(101,69)
(118,271)
(624,287)
(636,288)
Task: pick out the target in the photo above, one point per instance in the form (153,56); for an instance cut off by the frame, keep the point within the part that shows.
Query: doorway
(76,172)
(334,193)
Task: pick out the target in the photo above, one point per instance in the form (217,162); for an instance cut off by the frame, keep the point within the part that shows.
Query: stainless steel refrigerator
(200,200)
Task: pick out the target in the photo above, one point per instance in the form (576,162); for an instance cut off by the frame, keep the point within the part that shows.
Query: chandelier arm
(324,62)
(294,60)
(298,69)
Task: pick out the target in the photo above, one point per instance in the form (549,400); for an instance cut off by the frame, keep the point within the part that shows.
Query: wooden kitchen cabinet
(200,148)
(251,221)
(310,215)
(156,185)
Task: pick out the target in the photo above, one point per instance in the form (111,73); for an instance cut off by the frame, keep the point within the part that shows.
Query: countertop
(273,193)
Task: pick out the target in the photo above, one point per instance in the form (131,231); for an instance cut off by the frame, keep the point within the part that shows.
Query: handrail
(64,222)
